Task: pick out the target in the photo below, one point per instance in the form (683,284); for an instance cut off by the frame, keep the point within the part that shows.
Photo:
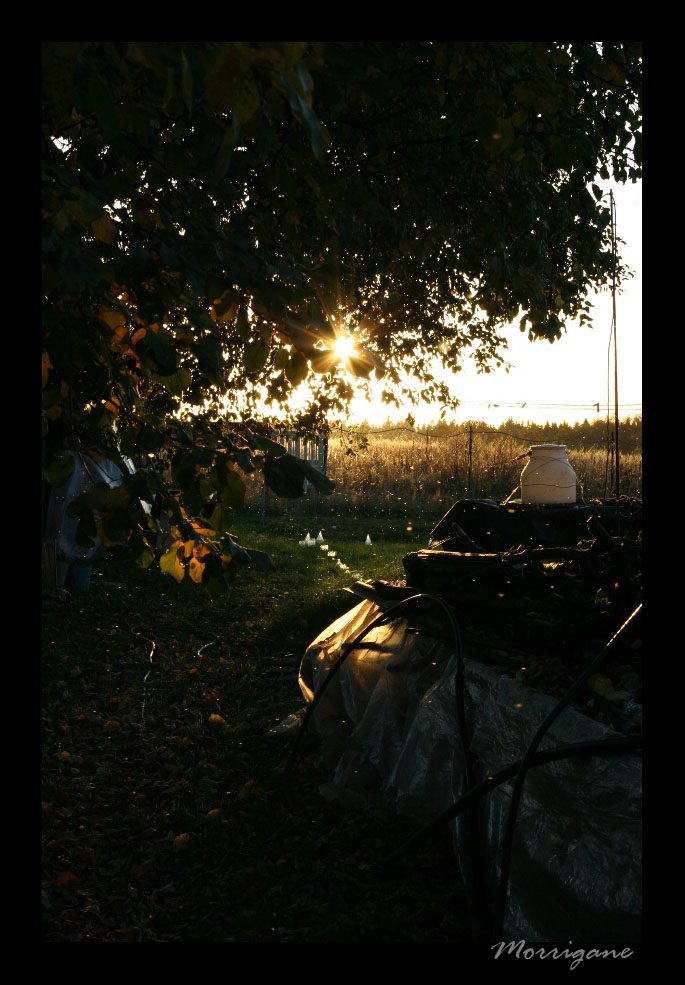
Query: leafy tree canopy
(217,214)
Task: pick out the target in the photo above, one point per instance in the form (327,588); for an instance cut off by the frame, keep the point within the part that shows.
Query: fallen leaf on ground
(65,878)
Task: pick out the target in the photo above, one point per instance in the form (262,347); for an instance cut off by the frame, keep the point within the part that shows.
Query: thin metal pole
(612,449)
(470,457)
(613,298)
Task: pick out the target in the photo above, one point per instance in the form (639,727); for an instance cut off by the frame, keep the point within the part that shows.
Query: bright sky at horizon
(564,380)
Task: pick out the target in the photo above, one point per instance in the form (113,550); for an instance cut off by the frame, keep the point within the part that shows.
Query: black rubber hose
(596,747)
(501,900)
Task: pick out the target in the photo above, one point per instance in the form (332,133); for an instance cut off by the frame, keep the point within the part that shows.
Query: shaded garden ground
(165,813)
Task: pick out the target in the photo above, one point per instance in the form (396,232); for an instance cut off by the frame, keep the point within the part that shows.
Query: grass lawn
(165,815)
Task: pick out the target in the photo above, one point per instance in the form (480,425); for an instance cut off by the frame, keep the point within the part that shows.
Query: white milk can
(548,476)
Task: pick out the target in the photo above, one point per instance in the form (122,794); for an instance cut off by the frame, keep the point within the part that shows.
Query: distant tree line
(586,433)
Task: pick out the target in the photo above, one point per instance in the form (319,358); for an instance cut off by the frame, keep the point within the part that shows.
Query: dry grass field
(410,474)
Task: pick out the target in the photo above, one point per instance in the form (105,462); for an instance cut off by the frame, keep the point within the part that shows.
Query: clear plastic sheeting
(390,736)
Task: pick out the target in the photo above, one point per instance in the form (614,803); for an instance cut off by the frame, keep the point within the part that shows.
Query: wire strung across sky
(455,434)
(596,406)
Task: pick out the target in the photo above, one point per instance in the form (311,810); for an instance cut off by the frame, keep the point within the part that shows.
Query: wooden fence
(313,451)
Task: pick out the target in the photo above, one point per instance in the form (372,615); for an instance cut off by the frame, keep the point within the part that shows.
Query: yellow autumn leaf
(102,535)
(117,336)
(201,529)
(104,228)
(47,366)
(60,220)
(248,789)
(113,405)
(112,726)
(112,317)
(115,320)
(601,684)
(181,842)
(212,816)
(196,570)
(216,720)
(170,564)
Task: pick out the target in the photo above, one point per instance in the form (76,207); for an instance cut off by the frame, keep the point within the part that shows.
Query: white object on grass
(368,540)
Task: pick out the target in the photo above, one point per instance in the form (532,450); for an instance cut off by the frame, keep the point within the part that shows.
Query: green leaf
(186,82)
(242,325)
(60,471)
(233,492)
(224,68)
(86,531)
(107,499)
(297,368)
(360,365)
(183,469)
(255,356)
(221,519)
(281,357)
(176,382)
(245,97)
(147,440)
(323,362)
(223,158)
(145,559)
(117,526)
(102,101)
(302,109)
(285,476)
(320,482)
(208,352)
(159,352)
(78,506)
(247,556)
(213,578)
(260,442)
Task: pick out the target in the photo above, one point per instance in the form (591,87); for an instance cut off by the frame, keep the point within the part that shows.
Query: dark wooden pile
(543,611)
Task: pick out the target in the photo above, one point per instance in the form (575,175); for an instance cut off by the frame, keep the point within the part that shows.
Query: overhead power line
(526,403)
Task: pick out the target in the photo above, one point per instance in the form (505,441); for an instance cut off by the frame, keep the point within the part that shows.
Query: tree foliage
(217,214)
